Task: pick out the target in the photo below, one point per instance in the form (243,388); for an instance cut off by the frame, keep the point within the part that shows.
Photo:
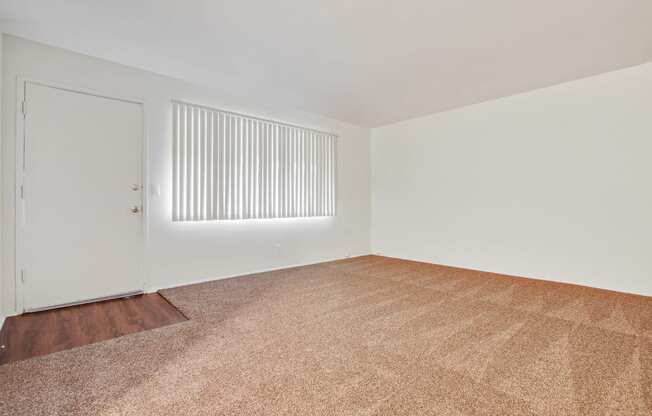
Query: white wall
(554,184)
(179,253)
(2,283)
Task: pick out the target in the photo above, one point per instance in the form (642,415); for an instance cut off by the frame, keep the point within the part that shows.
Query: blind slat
(175,163)
(229,166)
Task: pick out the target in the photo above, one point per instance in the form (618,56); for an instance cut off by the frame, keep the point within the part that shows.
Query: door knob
(135,209)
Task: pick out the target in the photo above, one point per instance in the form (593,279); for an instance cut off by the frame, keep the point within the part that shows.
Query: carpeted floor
(364,336)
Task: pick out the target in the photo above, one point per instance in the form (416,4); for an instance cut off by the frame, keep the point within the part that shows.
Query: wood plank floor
(41,333)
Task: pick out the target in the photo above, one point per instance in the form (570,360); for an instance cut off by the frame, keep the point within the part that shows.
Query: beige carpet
(365,336)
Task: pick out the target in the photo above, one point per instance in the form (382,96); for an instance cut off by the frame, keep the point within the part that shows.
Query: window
(229,166)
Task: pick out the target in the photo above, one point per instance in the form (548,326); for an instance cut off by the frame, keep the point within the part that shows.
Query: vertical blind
(229,166)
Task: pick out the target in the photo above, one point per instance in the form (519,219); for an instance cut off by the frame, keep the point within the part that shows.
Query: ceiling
(369,62)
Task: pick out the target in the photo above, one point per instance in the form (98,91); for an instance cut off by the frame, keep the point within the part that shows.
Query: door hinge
(22,275)
(22,108)
(22,191)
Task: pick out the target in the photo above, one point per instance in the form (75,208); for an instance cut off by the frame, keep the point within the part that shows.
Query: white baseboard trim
(520,275)
(210,279)
(154,289)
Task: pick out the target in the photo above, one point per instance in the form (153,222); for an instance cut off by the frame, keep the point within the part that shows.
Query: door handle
(135,209)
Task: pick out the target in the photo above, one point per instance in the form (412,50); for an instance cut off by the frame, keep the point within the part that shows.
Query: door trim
(19,219)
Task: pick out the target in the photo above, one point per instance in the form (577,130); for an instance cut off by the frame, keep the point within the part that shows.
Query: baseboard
(579,283)
(155,289)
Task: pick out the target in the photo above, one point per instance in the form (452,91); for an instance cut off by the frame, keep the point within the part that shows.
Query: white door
(80,238)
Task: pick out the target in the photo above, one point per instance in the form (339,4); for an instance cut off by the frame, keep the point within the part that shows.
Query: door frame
(19,217)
